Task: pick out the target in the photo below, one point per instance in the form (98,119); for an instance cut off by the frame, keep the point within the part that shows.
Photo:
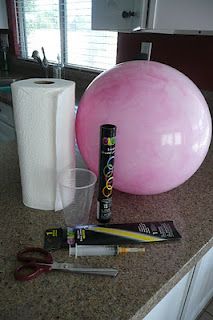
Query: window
(64,27)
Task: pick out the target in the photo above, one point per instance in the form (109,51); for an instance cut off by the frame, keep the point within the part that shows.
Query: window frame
(15,29)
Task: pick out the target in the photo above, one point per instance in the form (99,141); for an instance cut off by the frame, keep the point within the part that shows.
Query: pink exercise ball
(163,125)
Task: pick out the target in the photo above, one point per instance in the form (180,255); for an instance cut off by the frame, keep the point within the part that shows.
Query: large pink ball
(163,125)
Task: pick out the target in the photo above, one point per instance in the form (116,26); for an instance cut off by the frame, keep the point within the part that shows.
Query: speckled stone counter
(143,280)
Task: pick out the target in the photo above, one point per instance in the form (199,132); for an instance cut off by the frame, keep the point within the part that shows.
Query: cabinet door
(170,307)
(201,289)
(119,15)
(173,15)
(3,15)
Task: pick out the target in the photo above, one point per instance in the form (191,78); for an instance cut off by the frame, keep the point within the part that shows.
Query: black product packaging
(106,165)
(142,232)
(55,238)
(111,234)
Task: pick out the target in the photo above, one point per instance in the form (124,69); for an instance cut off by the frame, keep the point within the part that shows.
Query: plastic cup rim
(78,169)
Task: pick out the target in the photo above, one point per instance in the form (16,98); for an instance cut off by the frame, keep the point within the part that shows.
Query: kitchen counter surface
(143,280)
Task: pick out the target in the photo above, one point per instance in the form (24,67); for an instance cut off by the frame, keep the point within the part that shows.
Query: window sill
(67,66)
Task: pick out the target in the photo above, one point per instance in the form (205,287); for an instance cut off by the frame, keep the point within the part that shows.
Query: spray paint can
(106,165)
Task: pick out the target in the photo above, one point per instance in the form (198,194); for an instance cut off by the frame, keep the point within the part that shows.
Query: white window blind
(64,27)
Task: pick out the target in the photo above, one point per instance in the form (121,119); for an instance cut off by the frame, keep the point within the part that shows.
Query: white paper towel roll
(45,126)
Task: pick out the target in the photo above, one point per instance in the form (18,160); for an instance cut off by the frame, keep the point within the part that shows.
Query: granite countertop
(143,280)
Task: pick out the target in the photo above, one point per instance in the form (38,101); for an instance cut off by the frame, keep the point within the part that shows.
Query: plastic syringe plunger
(124,250)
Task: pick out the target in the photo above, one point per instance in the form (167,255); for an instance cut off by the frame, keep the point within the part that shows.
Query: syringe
(101,250)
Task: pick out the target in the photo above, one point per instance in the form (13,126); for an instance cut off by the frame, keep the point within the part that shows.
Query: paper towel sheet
(45,126)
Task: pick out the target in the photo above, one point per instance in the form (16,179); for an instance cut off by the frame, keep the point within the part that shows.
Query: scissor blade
(82,269)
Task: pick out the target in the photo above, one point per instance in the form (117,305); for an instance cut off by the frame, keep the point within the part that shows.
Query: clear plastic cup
(76,189)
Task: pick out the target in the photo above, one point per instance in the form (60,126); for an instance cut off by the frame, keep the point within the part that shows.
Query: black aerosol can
(106,165)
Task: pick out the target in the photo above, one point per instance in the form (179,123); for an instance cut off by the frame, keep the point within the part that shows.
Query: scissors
(38,261)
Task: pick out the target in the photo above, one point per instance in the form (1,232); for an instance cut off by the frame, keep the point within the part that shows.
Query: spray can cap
(109,129)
